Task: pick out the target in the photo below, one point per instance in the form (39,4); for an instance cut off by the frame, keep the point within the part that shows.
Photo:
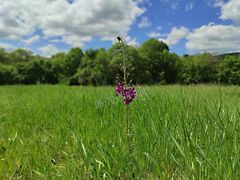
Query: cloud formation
(154,34)
(173,4)
(231,10)
(77,22)
(214,39)
(7,46)
(31,40)
(48,50)
(176,35)
(144,22)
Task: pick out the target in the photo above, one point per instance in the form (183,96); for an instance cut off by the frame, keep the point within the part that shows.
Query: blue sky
(187,26)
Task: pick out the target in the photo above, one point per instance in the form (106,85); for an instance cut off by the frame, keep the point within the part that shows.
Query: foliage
(152,63)
(201,68)
(229,70)
(34,72)
(72,61)
(52,132)
(92,71)
(151,52)
(6,74)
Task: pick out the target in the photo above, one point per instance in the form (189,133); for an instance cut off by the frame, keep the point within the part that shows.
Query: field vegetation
(62,132)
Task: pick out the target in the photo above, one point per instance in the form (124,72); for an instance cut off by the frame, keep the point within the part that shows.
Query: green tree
(58,61)
(229,70)
(4,58)
(151,52)
(83,75)
(92,53)
(200,68)
(6,74)
(93,71)
(34,72)
(100,70)
(161,66)
(72,61)
(20,55)
(169,67)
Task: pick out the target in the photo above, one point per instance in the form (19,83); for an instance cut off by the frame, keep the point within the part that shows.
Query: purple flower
(128,93)
(119,88)
(132,92)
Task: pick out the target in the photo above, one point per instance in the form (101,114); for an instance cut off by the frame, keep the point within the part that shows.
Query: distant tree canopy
(152,63)
(229,70)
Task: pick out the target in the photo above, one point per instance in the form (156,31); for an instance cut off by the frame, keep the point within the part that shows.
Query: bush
(6,74)
(36,72)
(229,70)
(199,69)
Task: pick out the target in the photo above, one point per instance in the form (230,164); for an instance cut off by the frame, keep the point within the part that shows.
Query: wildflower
(132,92)
(128,94)
(119,88)
(126,89)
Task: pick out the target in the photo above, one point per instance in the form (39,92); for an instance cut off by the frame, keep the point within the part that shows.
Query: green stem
(125,87)
(127,111)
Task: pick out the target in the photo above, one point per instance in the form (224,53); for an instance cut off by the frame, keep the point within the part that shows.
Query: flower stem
(125,87)
(129,93)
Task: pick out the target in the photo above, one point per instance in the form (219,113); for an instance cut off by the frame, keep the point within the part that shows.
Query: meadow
(61,132)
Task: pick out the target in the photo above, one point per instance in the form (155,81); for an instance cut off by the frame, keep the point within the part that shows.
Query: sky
(47,27)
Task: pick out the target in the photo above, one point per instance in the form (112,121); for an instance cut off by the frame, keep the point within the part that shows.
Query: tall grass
(76,132)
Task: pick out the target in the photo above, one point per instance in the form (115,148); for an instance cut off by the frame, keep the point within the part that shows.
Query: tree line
(151,63)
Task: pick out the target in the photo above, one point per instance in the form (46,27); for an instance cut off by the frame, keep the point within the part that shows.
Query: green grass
(61,132)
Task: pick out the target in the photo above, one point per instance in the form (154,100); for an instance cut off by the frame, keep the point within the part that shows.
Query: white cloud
(58,18)
(48,50)
(17,19)
(214,39)
(189,6)
(214,3)
(154,34)
(218,3)
(76,41)
(31,40)
(144,22)
(144,2)
(231,10)
(173,4)
(55,40)
(176,35)
(7,46)
(132,41)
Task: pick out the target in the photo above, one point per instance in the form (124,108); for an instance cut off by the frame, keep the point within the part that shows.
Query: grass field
(61,132)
